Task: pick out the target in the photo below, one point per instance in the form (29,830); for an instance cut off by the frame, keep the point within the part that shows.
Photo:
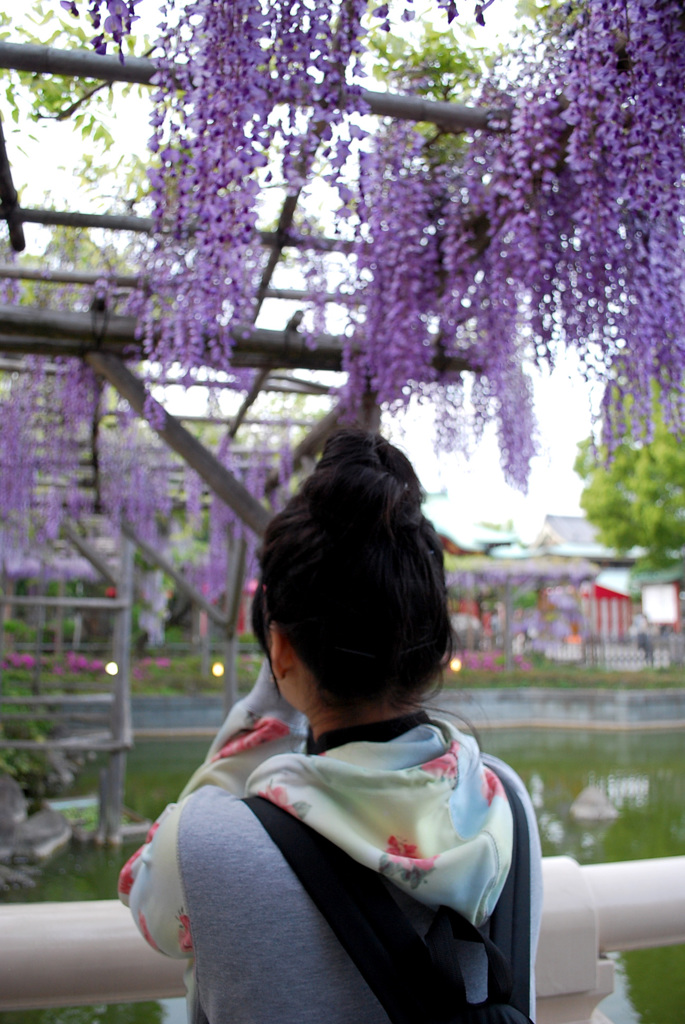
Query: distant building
(608,603)
(575,537)
(458,535)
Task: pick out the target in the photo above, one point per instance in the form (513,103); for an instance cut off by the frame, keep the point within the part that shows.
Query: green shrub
(20,630)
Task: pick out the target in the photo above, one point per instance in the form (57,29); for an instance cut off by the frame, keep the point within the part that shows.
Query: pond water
(642,773)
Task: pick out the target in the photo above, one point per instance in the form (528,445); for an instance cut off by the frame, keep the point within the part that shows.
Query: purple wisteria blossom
(562,227)
(111,19)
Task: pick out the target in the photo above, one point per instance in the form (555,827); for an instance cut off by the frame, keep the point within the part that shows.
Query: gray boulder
(593,805)
(12,813)
(41,835)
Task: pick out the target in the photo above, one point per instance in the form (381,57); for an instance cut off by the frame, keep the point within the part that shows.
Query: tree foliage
(638,499)
(90,106)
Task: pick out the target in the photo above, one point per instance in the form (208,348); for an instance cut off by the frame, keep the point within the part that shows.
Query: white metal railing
(75,954)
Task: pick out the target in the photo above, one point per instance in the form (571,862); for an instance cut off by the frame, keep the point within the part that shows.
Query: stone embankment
(532,707)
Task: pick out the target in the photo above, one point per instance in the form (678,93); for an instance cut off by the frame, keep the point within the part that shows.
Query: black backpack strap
(507,945)
(363,915)
(413,980)
(510,924)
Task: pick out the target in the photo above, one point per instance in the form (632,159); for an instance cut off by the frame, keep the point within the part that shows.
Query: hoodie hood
(421,809)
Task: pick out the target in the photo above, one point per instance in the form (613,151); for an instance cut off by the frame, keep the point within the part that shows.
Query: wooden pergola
(277,355)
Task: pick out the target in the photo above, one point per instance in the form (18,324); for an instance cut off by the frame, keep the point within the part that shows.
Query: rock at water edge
(41,835)
(593,805)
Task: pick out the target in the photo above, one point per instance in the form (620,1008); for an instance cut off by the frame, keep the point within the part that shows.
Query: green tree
(638,499)
(88,109)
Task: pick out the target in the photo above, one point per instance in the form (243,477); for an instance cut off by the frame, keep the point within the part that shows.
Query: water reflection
(643,774)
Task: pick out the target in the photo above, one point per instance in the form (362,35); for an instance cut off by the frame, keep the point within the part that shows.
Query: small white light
(217,669)
(455,664)
(111,668)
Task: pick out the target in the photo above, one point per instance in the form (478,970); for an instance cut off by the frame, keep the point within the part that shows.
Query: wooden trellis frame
(24,331)
(258,348)
(111,711)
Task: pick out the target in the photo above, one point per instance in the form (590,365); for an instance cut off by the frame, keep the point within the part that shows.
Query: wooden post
(5,613)
(40,626)
(121,708)
(2,644)
(508,623)
(7,589)
(235,576)
(369,417)
(59,620)
(230,672)
(204,633)
(103,784)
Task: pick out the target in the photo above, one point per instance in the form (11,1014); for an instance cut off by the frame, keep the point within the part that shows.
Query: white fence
(623,655)
(75,954)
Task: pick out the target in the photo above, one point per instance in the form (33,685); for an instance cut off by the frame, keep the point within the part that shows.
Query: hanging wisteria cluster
(110,18)
(566,227)
(561,224)
(260,78)
(118,20)
(44,414)
(59,469)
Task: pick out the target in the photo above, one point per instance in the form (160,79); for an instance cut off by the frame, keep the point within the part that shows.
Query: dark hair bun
(352,572)
(363,485)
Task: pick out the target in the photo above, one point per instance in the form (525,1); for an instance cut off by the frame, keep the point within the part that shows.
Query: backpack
(416,981)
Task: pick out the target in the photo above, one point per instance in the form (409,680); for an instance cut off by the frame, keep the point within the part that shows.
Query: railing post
(571,978)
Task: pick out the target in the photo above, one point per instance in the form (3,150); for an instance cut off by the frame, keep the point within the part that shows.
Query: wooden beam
(114,221)
(144,225)
(21,273)
(284,223)
(88,551)
(300,295)
(223,483)
(51,323)
(26,331)
(109,604)
(250,397)
(288,384)
(236,552)
(451,117)
(369,415)
(48,60)
(158,559)
(279,383)
(9,200)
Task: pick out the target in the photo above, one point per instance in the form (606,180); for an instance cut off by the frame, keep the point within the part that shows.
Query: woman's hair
(352,573)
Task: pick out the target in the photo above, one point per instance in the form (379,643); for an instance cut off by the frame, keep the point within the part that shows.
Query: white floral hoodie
(422,809)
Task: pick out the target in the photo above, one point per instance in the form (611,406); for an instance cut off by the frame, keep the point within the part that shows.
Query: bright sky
(562,400)
(478,488)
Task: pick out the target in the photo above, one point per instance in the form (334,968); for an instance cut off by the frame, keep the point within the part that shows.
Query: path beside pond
(483,708)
